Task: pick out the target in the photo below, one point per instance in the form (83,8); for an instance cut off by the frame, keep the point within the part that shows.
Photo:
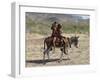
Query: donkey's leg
(53,51)
(61,56)
(44,57)
(65,50)
(48,53)
(64,45)
(66,53)
(44,54)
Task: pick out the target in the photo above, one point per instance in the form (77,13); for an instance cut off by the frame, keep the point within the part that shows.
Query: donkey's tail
(44,43)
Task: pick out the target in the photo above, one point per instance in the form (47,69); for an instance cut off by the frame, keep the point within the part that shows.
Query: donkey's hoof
(44,63)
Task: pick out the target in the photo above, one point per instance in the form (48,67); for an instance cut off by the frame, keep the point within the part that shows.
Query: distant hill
(41,22)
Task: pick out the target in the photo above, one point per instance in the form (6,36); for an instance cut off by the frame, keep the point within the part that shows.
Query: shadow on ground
(41,61)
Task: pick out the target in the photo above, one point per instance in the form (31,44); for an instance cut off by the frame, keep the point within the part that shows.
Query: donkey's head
(74,40)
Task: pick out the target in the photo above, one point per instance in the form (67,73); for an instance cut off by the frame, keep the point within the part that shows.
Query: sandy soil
(34,52)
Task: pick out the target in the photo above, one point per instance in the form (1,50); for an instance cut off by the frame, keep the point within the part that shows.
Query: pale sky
(85,17)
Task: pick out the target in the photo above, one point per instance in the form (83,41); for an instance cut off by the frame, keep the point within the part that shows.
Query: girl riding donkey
(56,34)
(56,40)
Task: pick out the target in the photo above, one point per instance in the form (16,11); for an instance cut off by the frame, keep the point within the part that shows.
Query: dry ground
(34,52)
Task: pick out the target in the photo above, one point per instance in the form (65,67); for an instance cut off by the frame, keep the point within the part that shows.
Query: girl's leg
(54,40)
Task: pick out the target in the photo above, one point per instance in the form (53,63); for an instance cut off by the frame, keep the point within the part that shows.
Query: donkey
(62,43)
